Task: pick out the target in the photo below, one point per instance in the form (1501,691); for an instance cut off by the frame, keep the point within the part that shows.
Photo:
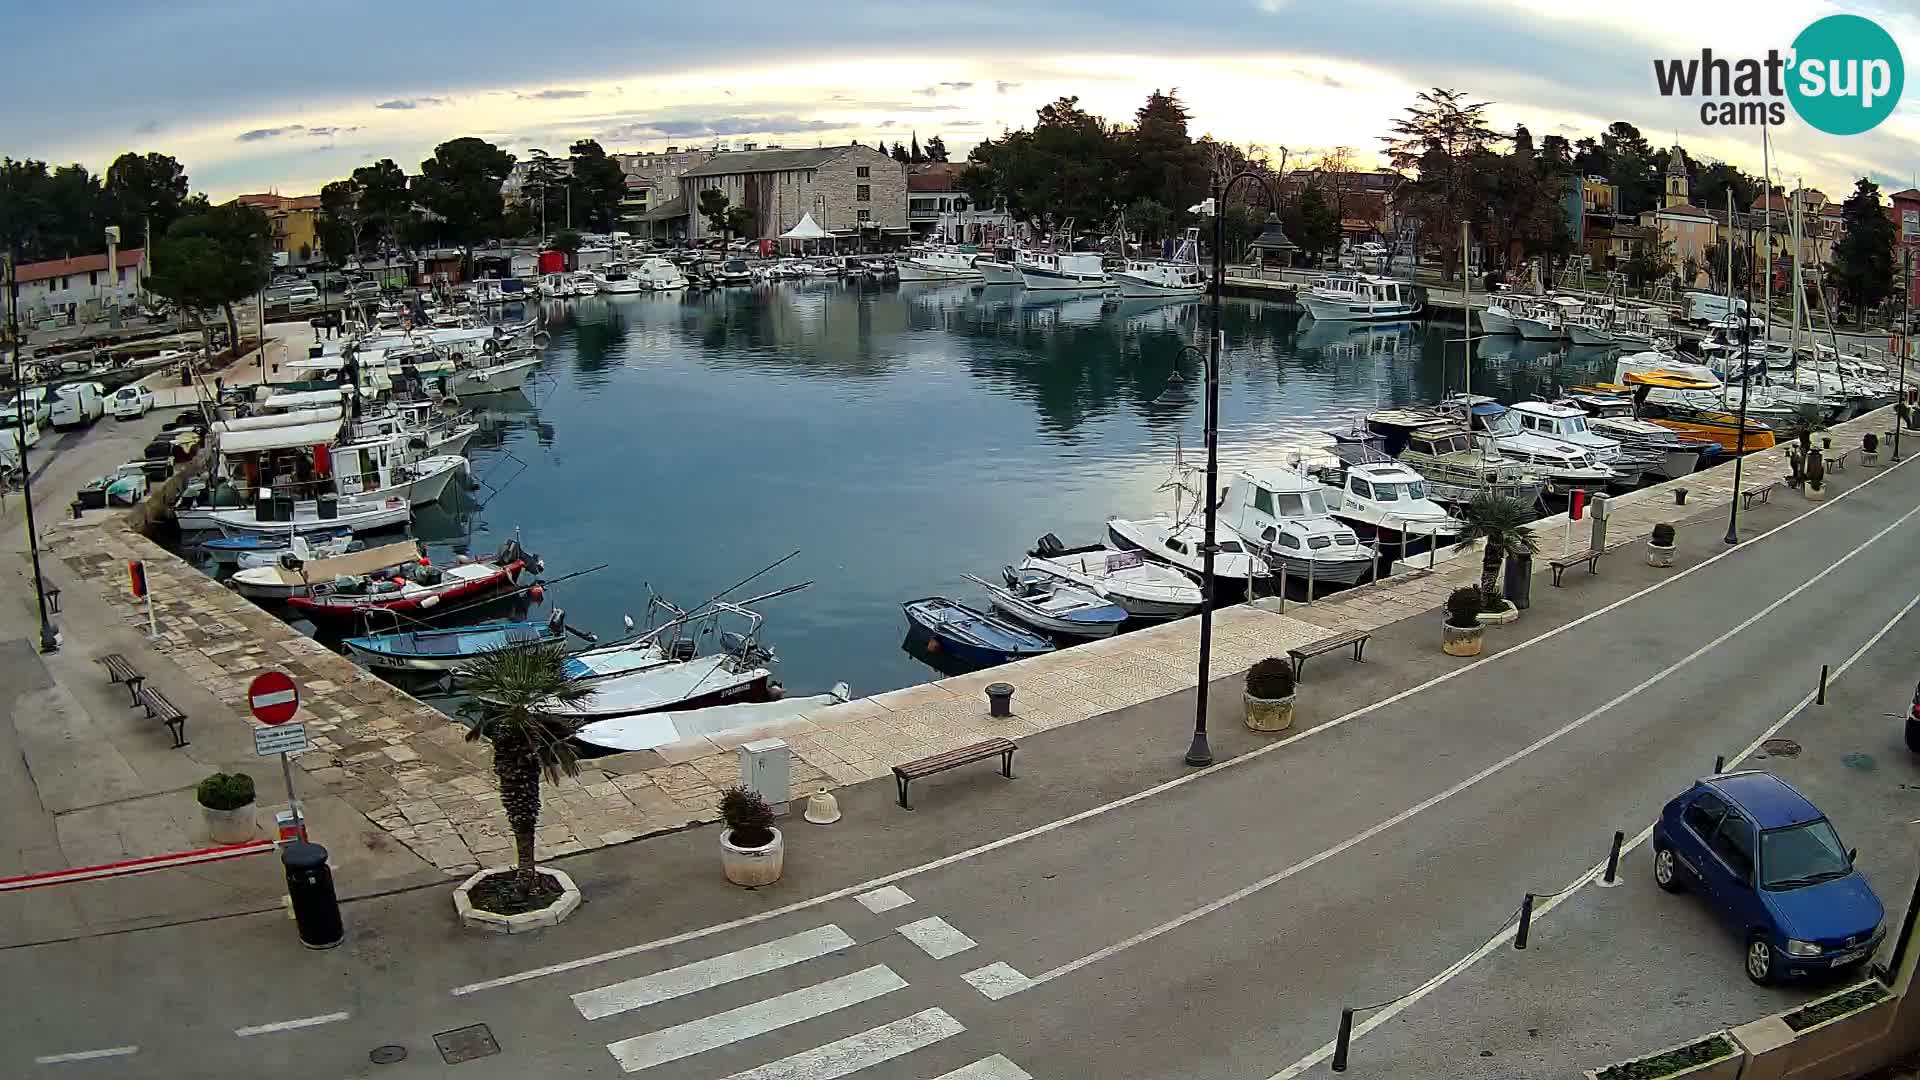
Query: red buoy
(538,593)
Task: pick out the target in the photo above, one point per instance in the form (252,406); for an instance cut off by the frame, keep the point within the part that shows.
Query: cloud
(1001,86)
(720,126)
(412,103)
(555,95)
(328,132)
(263,134)
(929,91)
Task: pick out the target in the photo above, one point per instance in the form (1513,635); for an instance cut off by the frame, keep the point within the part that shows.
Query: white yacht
(940,263)
(1178,542)
(1147,590)
(1178,276)
(1283,515)
(558,286)
(1568,424)
(1359,298)
(615,278)
(1565,464)
(1063,271)
(1386,502)
(1000,268)
(659,275)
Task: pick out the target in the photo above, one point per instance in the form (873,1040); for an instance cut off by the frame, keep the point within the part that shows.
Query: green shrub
(1836,1006)
(1673,1061)
(225,791)
(746,812)
(1271,678)
(1663,535)
(1464,606)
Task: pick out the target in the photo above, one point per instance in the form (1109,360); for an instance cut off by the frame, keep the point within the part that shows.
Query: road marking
(880,901)
(1185,778)
(1447,974)
(855,1052)
(290,1025)
(86,1055)
(718,971)
(1431,801)
(992,1068)
(936,937)
(772,1014)
(997,980)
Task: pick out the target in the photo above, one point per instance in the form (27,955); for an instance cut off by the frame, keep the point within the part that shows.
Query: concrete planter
(752,867)
(1461,640)
(1507,613)
(229,826)
(551,915)
(1659,556)
(1725,1067)
(1774,1049)
(1269,714)
(1814,494)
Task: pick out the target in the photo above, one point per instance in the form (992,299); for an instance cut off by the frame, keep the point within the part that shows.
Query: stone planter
(1269,714)
(551,915)
(1461,640)
(752,867)
(1814,494)
(1843,1045)
(229,826)
(1507,613)
(1658,555)
(1725,1067)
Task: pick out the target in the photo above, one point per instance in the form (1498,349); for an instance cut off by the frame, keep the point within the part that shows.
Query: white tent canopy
(806,230)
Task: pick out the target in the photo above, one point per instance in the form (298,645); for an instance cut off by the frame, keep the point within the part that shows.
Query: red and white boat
(413,590)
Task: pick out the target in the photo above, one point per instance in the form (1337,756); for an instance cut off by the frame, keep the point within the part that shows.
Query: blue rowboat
(956,632)
(228,549)
(447,650)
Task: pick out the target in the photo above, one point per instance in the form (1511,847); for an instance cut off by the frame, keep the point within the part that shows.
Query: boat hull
(1498,324)
(998,273)
(498,379)
(1053,624)
(1328,310)
(1138,288)
(1321,571)
(1587,335)
(1536,330)
(336,609)
(1041,280)
(1226,581)
(910,271)
(393,514)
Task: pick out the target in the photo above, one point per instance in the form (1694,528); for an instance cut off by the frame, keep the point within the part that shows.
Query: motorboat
(652,730)
(1359,298)
(328,547)
(974,639)
(584,283)
(1593,327)
(616,280)
(1667,452)
(1046,270)
(1179,276)
(1179,543)
(414,590)
(656,274)
(449,650)
(498,291)
(1567,466)
(558,286)
(1439,447)
(1568,424)
(1145,589)
(1680,415)
(1497,319)
(662,669)
(497,377)
(306,518)
(1385,502)
(1546,319)
(1283,514)
(125,486)
(1000,268)
(940,263)
(227,550)
(1050,605)
(733,272)
(292,574)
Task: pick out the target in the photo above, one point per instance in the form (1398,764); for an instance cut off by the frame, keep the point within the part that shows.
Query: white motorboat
(1566,423)
(719,679)
(1147,590)
(939,263)
(1665,451)
(1439,448)
(649,731)
(1386,502)
(495,378)
(291,574)
(1178,276)
(558,286)
(1063,271)
(1179,543)
(656,274)
(1046,603)
(328,548)
(1546,319)
(614,278)
(1565,465)
(360,517)
(583,283)
(1283,515)
(1496,319)
(1359,298)
(1000,268)
(498,291)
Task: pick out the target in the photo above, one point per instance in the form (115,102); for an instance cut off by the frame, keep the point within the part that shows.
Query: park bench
(1561,566)
(122,672)
(159,708)
(953,759)
(1836,460)
(1356,638)
(1758,493)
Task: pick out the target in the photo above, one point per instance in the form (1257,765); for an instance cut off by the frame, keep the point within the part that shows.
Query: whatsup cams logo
(1843,76)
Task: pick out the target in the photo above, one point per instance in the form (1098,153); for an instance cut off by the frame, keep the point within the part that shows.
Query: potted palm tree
(1502,523)
(1270,695)
(1660,546)
(1801,425)
(1462,630)
(752,851)
(510,688)
(226,801)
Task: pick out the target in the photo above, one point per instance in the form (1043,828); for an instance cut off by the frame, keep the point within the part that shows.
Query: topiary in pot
(1269,697)
(1870,443)
(226,802)
(1660,545)
(1461,631)
(752,851)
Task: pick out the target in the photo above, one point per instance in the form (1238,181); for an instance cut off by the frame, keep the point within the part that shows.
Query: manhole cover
(1780,748)
(465,1044)
(387,1055)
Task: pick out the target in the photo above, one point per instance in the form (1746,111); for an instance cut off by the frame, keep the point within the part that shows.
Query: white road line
(718,971)
(1159,789)
(855,1052)
(86,1055)
(1447,974)
(997,980)
(992,1068)
(936,937)
(290,1025)
(772,1014)
(883,900)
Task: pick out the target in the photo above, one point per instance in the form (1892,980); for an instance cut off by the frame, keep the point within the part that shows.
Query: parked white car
(78,403)
(130,402)
(36,400)
(303,294)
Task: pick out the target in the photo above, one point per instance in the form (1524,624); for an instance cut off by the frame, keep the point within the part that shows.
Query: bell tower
(1676,178)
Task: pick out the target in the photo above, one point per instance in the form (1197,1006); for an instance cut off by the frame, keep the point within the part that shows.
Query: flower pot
(1269,714)
(752,866)
(1814,494)
(1507,613)
(1658,555)
(229,826)
(1461,640)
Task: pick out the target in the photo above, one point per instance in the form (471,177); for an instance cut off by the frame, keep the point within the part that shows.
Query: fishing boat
(498,377)
(1053,606)
(1438,447)
(1546,320)
(1385,502)
(1359,298)
(650,731)
(1496,319)
(1000,268)
(940,263)
(937,625)
(227,550)
(448,650)
(292,574)
(1063,271)
(413,589)
(1283,514)
(308,518)
(1667,452)
(1177,276)
(1145,589)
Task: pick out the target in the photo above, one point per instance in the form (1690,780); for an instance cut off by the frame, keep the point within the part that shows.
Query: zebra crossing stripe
(855,1052)
(718,971)
(936,937)
(758,1018)
(992,1068)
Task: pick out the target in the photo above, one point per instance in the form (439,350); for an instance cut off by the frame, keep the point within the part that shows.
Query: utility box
(764,769)
(1517,585)
(1599,512)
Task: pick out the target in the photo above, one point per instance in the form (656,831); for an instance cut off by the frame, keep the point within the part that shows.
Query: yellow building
(295,220)
(1682,232)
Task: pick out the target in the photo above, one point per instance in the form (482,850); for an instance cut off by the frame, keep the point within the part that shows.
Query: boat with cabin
(1439,447)
(1385,502)
(1050,270)
(1283,515)
(1359,298)
(1178,276)
(1145,589)
(656,274)
(940,262)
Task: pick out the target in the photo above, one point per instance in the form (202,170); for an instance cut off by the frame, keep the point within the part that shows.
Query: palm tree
(1806,421)
(1502,522)
(509,687)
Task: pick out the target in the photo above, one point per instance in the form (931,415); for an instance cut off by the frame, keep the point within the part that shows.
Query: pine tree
(1863,259)
(900,154)
(937,149)
(914,155)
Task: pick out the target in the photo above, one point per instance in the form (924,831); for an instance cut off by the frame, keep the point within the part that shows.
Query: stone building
(855,192)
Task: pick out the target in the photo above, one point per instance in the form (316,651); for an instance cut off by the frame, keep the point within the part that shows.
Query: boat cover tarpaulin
(306,399)
(277,420)
(279,438)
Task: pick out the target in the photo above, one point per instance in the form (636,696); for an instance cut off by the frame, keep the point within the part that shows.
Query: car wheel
(1666,870)
(1759,960)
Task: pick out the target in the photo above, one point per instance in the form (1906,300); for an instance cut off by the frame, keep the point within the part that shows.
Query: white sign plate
(284,739)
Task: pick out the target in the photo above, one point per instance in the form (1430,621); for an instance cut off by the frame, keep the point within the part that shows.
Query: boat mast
(1727,368)
(1766,188)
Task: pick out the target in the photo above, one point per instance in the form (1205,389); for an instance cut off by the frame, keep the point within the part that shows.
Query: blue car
(1774,870)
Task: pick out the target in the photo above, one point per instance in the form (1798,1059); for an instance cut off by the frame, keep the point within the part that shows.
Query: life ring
(490,346)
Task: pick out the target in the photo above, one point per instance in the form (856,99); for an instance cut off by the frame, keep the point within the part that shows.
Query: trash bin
(310,887)
(1517,586)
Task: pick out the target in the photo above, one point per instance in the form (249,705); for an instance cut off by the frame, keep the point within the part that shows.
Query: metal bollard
(1612,877)
(1342,1041)
(1719,764)
(1526,922)
(316,910)
(999,700)
(1821,697)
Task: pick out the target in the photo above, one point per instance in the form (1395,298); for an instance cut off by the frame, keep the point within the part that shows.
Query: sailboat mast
(1466,336)
(1766,188)
(1727,369)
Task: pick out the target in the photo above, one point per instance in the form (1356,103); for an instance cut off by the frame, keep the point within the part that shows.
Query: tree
(1315,228)
(1148,221)
(1063,168)
(461,184)
(599,185)
(739,221)
(546,175)
(509,688)
(914,155)
(23,207)
(146,191)
(1445,139)
(1862,263)
(937,149)
(384,202)
(1716,180)
(1502,522)
(341,219)
(567,242)
(214,259)
(900,154)
(713,207)
(1156,159)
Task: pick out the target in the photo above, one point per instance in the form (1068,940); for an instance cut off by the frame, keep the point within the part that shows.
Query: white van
(78,403)
(1703,308)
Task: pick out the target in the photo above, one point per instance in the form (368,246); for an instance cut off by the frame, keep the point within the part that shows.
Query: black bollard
(1821,699)
(1341,1041)
(1679,496)
(1719,764)
(1526,922)
(1613,860)
(310,887)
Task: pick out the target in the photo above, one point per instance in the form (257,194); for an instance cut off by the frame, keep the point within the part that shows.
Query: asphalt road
(1211,928)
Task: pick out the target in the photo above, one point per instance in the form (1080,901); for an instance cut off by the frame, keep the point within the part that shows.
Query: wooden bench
(1356,638)
(122,672)
(159,708)
(1836,460)
(953,759)
(1760,493)
(1561,566)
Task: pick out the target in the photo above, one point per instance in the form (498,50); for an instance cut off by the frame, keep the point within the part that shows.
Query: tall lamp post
(1740,422)
(1906,317)
(49,639)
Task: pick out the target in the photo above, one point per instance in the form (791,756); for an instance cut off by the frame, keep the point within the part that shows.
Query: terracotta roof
(940,181)
(41,271)
(1686,210)
(1910,193)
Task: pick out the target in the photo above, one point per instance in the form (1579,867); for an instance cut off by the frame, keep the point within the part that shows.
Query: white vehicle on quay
(35,400)
(130,402)
(77,404)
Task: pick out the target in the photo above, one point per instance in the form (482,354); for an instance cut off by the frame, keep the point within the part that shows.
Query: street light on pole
(1740,423)
(22,412)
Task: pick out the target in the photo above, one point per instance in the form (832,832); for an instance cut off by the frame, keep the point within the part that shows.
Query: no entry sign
(273,697)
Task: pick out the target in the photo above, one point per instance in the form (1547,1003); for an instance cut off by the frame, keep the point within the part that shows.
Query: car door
(1733,849)
(1699,820)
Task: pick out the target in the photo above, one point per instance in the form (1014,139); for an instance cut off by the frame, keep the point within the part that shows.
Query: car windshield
(1802,855)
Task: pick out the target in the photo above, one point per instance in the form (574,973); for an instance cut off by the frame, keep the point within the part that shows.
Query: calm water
(899,438)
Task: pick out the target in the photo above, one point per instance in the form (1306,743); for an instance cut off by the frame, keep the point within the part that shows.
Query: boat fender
(430,601)
(537,594)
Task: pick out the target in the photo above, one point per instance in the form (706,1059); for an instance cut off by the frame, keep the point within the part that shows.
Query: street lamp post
(49,639)
(1906,317)
(1740,424)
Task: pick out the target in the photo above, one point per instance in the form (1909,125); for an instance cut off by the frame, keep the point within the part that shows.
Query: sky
(266,95)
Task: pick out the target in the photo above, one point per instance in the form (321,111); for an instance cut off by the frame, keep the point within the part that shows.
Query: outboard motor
(1048,546)
(557,622)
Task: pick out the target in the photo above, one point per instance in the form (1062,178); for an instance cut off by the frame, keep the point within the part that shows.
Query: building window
(93,277)
(863,193)
(862,171)
(863,215)
(63,284)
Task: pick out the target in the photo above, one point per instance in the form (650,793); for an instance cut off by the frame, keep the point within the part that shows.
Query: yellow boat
(1713,425)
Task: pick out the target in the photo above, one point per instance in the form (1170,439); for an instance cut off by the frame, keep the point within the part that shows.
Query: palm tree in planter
(509,687)
(1801,426)
(1502,522)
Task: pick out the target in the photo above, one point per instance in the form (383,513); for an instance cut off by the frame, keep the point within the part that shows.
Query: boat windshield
(1395,492)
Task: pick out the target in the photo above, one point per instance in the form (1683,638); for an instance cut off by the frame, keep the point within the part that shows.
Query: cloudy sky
(268,95)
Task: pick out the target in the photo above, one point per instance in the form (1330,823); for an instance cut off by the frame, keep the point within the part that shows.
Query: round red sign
(273,697)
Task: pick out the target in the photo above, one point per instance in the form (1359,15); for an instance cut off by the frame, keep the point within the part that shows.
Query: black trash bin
(328,507)
(310,886)
(1517,586)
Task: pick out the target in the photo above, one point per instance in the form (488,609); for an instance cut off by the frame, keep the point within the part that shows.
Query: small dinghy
(1049,604)
(413,589)
(228,549)
(1147,590)
(648,731)
(453,648)
(937,625)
